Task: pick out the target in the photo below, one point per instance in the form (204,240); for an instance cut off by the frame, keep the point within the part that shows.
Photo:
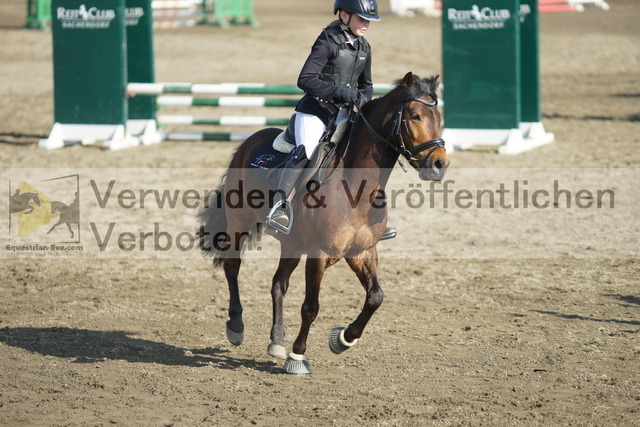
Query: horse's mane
(420,88)
(427,87)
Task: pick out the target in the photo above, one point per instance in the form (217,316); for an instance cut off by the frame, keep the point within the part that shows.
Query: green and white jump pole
(491,75)
(92,64)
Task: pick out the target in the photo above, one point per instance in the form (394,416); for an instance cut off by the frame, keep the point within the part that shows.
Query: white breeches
(309,129)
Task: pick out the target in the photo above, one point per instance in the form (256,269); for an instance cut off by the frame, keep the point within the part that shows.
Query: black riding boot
(280,216)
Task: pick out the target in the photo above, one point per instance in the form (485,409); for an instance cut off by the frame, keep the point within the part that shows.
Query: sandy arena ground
(492,316)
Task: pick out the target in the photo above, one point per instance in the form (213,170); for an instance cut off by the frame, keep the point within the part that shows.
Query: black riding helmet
(366,9)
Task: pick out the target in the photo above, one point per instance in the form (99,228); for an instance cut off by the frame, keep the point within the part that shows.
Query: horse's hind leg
(365,266)
(235,325)
(70,230)
(279,286)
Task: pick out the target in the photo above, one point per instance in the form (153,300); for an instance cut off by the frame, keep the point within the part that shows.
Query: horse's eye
(415,116)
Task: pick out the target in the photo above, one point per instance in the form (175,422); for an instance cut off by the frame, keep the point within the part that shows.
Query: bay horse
(342,217)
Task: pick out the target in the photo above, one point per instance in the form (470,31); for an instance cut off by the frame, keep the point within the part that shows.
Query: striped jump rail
(179,13)
(223,121)
(134,89)
(571,5)
(182,94)
(207,136)
(224,101)
(176,24)
(544,6)
(559,6)
(580,5)
(176,4)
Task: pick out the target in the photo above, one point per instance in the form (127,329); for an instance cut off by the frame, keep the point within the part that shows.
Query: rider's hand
(347,94)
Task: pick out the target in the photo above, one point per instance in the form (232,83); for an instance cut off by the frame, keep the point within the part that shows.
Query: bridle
(400,124)
(396,132)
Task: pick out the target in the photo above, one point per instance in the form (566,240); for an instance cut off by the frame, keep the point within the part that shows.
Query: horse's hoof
(296,364)
(278,351)
(235,338)
(337,342)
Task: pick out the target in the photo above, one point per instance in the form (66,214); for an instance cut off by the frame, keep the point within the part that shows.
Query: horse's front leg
(314,271)
(288,263)
(365,266)
(54,226)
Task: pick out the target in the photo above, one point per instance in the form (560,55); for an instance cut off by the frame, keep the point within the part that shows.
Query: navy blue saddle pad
(263,162)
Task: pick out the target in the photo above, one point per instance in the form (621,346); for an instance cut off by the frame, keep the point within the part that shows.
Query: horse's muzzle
(435,167)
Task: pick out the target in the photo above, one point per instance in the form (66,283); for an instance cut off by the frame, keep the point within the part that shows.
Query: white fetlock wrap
(297,356)
(278,351)
(344,342)
(280,144)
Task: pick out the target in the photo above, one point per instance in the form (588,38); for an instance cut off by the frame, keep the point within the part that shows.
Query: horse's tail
(213,222)
(214,239)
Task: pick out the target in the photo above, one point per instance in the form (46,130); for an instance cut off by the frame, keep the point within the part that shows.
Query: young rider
(336,73)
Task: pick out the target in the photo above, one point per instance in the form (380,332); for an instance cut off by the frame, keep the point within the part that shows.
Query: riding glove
(347,94)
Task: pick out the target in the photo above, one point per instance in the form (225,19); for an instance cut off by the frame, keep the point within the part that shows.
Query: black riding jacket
(334,63)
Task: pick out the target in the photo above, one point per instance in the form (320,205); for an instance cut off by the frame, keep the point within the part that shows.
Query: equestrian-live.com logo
(44,212)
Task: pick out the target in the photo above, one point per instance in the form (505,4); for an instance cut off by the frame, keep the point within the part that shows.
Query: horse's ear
(408,80)
(436,79)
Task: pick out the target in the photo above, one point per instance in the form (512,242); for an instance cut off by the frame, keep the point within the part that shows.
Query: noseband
(396,133)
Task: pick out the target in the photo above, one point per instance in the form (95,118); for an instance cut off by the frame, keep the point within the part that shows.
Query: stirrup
(270,223)
(389,233)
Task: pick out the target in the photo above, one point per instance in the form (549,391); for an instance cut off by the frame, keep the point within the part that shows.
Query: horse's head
(57,207)
(417,126)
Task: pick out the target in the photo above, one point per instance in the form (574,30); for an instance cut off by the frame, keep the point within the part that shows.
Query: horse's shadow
(593,319)
(628,301)
(87,346)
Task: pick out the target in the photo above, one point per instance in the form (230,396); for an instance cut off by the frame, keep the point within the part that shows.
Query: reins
(354,113)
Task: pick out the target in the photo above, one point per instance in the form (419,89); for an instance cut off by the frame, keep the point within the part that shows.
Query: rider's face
(357,24)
